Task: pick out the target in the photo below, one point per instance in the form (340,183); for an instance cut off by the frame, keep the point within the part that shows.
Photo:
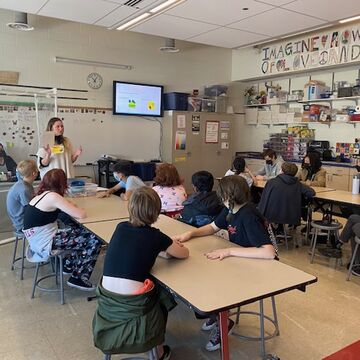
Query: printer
(322,147)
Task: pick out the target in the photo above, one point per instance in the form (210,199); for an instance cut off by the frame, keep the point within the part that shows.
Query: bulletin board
(97,131)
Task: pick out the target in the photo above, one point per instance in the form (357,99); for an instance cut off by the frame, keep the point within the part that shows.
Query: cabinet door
(337,182)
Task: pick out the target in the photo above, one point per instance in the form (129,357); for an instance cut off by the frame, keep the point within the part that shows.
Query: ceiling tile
(29,6)
(218,12)
(173,27)
(321,8)
(73,10)
(141,5)
(229,38)
(275,2)
(286,22)
(116,16)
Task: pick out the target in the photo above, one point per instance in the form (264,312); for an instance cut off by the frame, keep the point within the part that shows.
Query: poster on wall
(224,136)
(195,124)
(181,121)
(212,132)
(225,145)
(224,125)
(180,140)
(328,48)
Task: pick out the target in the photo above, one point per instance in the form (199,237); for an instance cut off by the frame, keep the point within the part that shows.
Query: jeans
(352,229)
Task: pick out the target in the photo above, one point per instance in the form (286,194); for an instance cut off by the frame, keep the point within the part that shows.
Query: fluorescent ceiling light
(165,5)
(133,21)
(349,19)
(92,63)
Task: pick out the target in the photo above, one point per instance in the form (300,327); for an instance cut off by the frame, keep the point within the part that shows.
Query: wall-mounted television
(137,99)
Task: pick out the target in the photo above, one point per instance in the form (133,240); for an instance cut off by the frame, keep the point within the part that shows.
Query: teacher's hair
(54,180)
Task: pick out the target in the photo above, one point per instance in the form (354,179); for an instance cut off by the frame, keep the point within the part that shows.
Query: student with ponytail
(246,228)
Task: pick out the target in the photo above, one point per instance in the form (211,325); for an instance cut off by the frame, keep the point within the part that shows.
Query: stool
(329,228)
(357,242)
(287,236)
(262,317)
(151,355)
(19,236)
(58,256)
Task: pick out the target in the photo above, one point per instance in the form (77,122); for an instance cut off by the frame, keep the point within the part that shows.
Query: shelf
(350,98)
(264,105)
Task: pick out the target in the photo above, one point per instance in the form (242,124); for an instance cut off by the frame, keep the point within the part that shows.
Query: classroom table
(318,189)
(101,209)
(213,286)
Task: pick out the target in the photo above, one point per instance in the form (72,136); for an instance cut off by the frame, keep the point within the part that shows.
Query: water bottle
(356,184)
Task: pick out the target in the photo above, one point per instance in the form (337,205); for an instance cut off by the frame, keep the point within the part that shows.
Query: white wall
(32,54)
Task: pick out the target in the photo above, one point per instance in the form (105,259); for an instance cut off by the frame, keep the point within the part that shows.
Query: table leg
(223,320)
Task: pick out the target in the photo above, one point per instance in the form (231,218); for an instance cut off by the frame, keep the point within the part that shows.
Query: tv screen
(137,99)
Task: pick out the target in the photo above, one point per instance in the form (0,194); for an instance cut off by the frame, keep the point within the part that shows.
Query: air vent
(20,22)
(133,3)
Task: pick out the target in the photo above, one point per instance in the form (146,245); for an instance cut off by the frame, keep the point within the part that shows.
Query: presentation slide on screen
(138,99)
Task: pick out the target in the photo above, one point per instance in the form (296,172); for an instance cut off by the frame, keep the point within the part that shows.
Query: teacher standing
(59,156)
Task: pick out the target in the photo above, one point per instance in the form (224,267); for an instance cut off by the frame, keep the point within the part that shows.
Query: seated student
(282,196)
(7,164)
(43,233)
(132,310)
(203,205)
(272,165)
(21,193)
(246,228)
(351,229)
(122,173)
(168,186)
(240,168)
(311,172)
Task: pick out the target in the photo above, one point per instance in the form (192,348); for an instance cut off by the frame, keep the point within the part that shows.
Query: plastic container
(90,189)
(176,101)
(208,105)
(215,90)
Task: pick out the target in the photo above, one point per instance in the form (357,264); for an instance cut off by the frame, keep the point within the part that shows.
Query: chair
(319,226)
(58,257)
(19,236)
(357,242)
(262,338)
(151,355)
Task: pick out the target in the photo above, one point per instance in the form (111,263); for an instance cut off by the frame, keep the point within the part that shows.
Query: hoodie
(201,208)
(281,199)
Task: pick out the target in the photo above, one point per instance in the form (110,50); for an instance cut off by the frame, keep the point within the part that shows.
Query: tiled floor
(312,324)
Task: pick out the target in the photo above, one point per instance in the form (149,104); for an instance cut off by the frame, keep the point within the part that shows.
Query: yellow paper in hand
(57,149)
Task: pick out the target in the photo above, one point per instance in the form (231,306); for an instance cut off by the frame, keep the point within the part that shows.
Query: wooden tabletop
(101,209)
(339,196)
(318,189)
(213,285)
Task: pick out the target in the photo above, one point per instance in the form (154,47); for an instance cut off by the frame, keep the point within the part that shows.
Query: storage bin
(208,105)
(221,103)
(345,92)
(176,101)
(215,90)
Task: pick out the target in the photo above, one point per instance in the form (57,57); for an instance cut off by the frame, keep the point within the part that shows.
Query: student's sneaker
(356,271)
(209,324)
(215,338)
(81,284)
(67,270)
(167,353)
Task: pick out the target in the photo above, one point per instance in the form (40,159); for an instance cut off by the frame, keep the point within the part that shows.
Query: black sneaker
(167,353)
(209,324)
(356,271)
(81,284)
(215,338)
(67,270)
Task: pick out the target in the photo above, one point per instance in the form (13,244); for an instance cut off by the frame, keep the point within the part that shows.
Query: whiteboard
(97,131)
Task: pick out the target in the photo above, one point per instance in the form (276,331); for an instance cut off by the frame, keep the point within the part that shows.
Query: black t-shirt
(133,250)
(247,227)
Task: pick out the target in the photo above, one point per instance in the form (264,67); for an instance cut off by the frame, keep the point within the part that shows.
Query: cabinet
(184,143)
(337,177)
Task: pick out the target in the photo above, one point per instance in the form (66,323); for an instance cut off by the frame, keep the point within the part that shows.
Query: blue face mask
(18,176)
(121,182)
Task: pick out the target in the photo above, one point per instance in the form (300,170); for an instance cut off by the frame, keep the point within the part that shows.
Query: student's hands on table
(102,194)
(182,237)
(218,254)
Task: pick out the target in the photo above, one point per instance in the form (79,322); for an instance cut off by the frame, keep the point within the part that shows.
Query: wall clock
(94,80)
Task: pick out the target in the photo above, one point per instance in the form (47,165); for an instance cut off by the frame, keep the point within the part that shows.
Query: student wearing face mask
(122,173)
(61,155)
(272,167)
(311,172)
